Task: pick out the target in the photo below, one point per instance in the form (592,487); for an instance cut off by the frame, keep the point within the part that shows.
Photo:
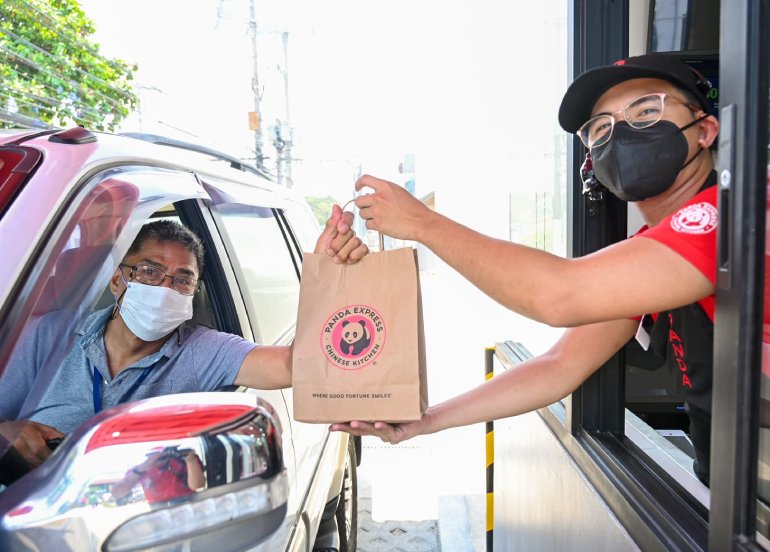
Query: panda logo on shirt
(698,218)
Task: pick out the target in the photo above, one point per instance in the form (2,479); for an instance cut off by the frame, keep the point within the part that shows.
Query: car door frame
(232,314)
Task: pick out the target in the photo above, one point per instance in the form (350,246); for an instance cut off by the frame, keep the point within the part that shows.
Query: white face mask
(153,312)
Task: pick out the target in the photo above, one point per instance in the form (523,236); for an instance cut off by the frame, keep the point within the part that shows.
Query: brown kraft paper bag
(359,350)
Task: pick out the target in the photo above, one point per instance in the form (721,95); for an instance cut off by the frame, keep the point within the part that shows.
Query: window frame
(290,243)
(229,314)
(655,509)
(740,277)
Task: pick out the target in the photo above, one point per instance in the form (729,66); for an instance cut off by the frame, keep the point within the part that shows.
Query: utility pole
(281,132)
(287,121)
(259,156)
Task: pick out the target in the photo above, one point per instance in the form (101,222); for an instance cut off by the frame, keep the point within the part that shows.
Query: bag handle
(380,237)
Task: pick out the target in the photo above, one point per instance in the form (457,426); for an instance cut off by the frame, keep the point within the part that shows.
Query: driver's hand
(29,438)
(338,239)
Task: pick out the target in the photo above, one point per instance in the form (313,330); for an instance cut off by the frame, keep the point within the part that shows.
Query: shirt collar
(93,331)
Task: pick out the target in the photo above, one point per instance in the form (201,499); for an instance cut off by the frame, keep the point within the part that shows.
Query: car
(71,203)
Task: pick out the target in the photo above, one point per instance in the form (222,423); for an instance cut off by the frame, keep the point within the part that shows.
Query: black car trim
(297,247)
(172,142)
(222,304)
(286,232)
(73,136)
(33,135)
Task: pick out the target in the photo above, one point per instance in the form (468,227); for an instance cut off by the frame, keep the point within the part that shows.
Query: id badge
(643,336)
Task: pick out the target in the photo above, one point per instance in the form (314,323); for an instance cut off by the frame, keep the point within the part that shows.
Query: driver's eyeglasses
(641,113)
(153,276)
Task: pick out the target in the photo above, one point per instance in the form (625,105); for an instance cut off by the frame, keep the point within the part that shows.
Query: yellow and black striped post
(489,367)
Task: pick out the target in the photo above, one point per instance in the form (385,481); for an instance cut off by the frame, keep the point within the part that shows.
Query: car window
(66,276)
(304,224)
(61,297)
(264,267)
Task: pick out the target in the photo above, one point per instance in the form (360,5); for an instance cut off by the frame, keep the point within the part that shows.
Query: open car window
(66,280)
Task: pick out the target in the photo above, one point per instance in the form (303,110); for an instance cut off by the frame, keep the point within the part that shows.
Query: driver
(141,346)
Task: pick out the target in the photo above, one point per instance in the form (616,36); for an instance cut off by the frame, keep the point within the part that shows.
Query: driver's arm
(270,367)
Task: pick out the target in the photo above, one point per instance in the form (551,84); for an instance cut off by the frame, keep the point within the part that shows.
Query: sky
(469,87)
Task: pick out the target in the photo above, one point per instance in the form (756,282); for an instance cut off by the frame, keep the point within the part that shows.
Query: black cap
(585,90)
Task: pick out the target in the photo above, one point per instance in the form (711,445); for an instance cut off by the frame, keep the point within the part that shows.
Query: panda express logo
(698,218)
(353,337)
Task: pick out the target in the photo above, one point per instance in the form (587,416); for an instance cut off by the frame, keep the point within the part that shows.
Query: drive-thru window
(611,465)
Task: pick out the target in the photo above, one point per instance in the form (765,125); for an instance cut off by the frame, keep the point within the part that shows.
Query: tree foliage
(52,74)
(321,207)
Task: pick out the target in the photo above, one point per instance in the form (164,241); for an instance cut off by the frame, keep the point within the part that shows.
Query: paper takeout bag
(359,350)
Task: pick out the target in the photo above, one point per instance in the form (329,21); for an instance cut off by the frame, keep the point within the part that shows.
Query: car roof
(65,166)
(116,149)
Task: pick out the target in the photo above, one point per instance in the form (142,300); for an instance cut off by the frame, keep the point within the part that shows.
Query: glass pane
(66,284)
(684,25)
(264,268)
(763,464)
(71,279)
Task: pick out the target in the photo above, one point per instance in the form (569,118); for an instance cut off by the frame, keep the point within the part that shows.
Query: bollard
(489,356)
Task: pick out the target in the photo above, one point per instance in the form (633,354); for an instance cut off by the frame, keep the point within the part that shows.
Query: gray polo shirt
(193,359)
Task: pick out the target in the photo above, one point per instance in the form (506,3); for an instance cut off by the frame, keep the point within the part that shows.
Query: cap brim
(582,94)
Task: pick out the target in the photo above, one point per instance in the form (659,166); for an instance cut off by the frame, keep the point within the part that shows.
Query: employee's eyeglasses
(641,113)
(153,276)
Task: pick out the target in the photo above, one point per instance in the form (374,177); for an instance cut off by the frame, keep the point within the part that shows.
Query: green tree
(51,74)
(321,207)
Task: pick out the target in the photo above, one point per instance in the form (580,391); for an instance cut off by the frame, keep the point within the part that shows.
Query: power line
(81,114)
(30,63)
(50,100)
(52,56)
(22,120)
(89,97)
(59,27)
(56,26)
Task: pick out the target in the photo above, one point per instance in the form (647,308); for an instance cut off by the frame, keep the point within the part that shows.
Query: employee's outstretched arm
(630,278)
(532,384)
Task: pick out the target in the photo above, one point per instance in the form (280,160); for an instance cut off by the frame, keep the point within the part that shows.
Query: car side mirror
(202,470)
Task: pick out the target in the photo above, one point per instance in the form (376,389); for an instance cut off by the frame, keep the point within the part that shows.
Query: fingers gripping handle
(380,237)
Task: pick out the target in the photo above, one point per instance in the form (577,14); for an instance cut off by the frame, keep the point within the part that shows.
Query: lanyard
(98,388)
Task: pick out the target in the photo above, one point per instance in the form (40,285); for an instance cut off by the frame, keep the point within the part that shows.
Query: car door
(264,257)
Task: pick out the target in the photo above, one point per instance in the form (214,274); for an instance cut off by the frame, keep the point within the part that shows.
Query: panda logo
(355,337)
(698,218)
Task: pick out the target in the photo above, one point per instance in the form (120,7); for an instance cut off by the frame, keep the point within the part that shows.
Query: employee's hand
(338,239)
(29,438)
(390,433)
(391,209)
